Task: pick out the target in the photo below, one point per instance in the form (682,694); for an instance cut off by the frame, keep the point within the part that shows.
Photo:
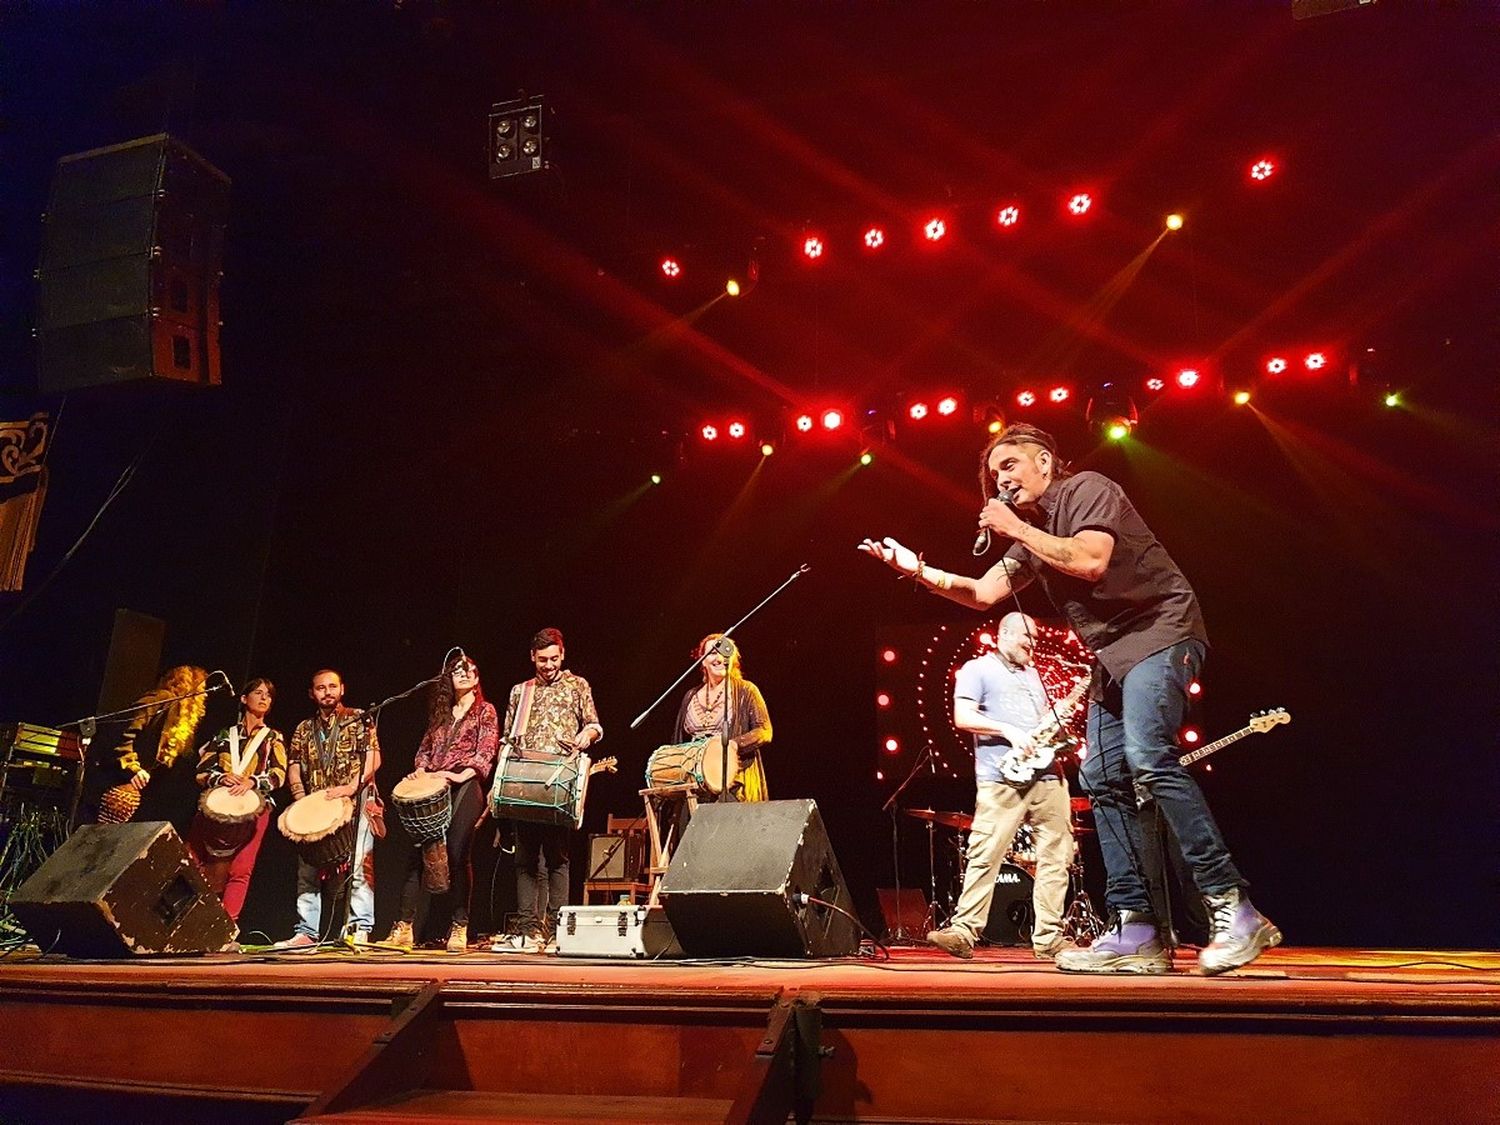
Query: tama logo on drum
(1008,877)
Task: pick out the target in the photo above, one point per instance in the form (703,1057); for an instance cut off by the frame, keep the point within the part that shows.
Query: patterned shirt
(267,766)
(467,743)
(327,757)
(561,709)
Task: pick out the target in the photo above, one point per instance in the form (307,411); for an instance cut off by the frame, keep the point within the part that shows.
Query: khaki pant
(999,810)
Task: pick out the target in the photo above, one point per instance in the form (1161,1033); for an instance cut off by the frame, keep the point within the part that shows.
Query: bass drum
(699,763)
(544,790)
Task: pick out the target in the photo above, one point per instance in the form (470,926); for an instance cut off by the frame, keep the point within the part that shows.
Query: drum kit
(1081,923)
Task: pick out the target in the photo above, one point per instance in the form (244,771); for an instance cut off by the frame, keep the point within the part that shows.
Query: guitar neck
(1213,747)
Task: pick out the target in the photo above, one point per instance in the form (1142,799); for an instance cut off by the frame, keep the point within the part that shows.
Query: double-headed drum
(424,805)
(699,763)
(321,828)
(546,789)
(229,819)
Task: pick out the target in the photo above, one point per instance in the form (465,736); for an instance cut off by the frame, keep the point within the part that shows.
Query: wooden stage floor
(1302,1035)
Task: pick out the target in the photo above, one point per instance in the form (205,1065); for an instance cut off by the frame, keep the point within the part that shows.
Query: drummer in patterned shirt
(245,760)
(338,752)
(550,714)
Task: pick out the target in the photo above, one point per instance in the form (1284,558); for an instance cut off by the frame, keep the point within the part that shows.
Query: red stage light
(987,640)
(832,419)
(883,699)
(893,745)
(918,411)
(812,246)
(1315,361)
(934,229)
(1008,216)
(948,406)
(1059,394)
(1262,169)
(1195,688)
(1275,365)
(1026,398)
(874,238)
(1188,377)
(1155,384)
(888,655)
(804,422)
(710,433)
(1080,203)
(671,267)
(1190,735)
(736,429)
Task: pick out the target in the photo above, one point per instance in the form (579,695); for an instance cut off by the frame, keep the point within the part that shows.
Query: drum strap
(523,712)
(237,762)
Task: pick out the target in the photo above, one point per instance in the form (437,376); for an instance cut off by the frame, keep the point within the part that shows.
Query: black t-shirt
(1143,603)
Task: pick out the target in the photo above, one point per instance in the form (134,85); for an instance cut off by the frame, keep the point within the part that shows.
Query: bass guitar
(1260,722)
(1021,767)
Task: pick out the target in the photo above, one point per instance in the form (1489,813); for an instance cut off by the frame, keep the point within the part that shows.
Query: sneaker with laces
(296,941)
(1238,933)
(1050,951)
(458,938)
(952,941)
(401,936)
(1131,945)
(357,939)
(512,943)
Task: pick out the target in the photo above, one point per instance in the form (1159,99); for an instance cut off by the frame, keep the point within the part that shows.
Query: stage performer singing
(1082,540)
(550,715)
(463,736)
(247,760)
(999,699)
(702,713)
(338,753)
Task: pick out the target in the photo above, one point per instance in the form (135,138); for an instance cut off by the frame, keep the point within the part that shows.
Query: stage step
(437,1107)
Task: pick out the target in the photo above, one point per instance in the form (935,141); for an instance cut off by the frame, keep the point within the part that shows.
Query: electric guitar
(1021,767)
(1260,722)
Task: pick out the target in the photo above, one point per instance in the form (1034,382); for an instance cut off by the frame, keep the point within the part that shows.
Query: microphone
(982,540)
(724,647)
(224,684)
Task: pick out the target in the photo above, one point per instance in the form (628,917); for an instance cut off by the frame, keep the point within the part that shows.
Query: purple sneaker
(1131,945)
(1238,933)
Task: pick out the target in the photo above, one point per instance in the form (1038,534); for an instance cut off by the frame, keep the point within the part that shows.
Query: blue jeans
(361,893)
(1132,735)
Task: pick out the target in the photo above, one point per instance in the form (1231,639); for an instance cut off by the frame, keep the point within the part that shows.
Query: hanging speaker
(737,881)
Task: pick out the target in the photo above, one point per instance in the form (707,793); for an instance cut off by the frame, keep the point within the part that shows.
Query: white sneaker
(512,943)
(357,938)
(296,941)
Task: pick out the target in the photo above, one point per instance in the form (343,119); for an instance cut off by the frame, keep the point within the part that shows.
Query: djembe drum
(424,806)
(321,828)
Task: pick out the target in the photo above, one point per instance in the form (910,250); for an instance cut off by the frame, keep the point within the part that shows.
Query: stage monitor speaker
(113,890)
(735,882)
(618,856)
(1011,917)
(128,284)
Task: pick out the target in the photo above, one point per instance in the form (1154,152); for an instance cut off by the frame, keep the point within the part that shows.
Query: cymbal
(962,821)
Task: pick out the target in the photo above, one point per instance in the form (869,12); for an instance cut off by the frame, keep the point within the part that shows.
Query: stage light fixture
(917,411)
(515,138)
(766,449)
(710,433)
(1188,378)
(832,419)
(1190,735)
(736,430)
(1026,398)
(866,458)
(995,426)
(947,406)
(1174,222)
(1112,411)
(1262,169)
(888,655)
(1195,688)
(874,238)
(1008,216)
(883,700)
(812,247)
(804,423)
(1241,397)
(1392,399)
(655,478)
(1059,394)
(1275,365)
(1079,203)
(892,745)
(934,229)
(1315,361)
(1156,384)
(1117,429)
(671,268)
(732,287)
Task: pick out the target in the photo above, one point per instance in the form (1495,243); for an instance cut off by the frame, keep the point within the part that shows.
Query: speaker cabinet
(128,284)
(736,881)
(1012,917)
(113,890)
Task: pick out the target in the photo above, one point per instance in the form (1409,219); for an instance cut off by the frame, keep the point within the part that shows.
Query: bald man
(999,699)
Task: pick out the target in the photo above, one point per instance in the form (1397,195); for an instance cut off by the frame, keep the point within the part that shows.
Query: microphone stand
(724,729)
(88,727)
(899,933)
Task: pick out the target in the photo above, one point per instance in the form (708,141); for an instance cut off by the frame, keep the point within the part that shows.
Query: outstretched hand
(893,554)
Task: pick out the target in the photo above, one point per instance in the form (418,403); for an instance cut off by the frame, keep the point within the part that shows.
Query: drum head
(315,815)
(220,803)
(417,786)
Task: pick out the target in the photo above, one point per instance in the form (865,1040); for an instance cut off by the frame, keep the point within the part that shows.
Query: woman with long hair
(702,713)
(462,739)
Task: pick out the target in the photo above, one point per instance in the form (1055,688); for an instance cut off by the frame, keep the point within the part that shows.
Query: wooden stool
(657,800)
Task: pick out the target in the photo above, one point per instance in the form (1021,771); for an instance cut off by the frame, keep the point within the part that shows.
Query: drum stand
(1081,924)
